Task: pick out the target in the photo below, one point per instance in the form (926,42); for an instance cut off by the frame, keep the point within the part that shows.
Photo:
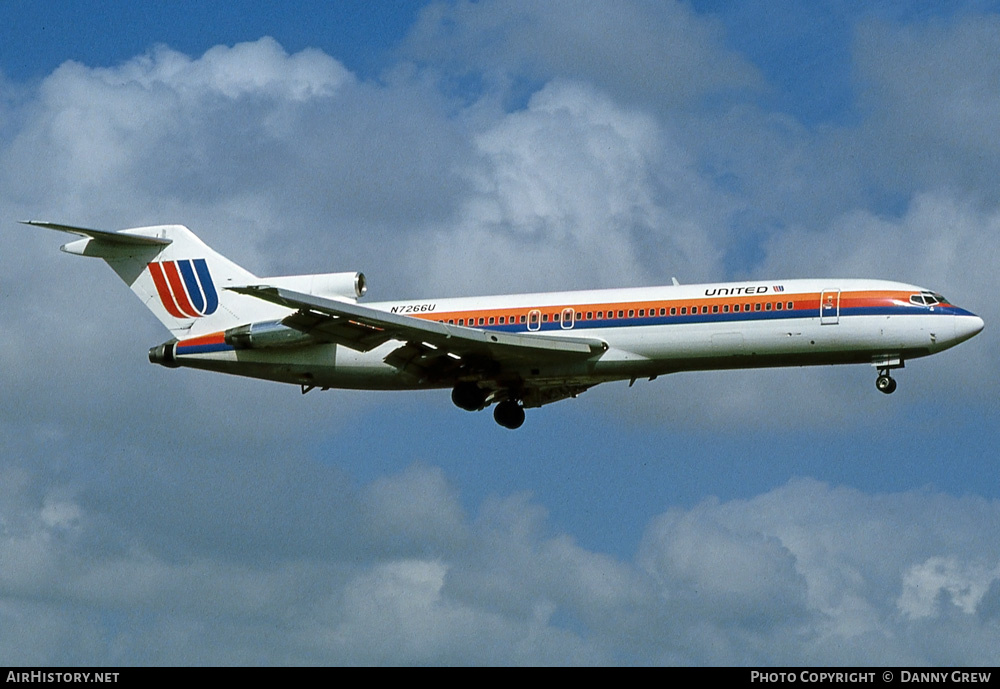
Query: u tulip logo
(185,287)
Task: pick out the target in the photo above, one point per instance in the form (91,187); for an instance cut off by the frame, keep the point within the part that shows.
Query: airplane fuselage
(648,332)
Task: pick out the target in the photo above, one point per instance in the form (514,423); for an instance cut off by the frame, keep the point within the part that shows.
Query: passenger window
(767,306)
(621,314)
(673,310)
(492,320)
(756,307)
(715,308)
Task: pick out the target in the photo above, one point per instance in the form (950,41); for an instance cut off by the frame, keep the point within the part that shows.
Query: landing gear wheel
(885,383)
(509,414)
(468,396)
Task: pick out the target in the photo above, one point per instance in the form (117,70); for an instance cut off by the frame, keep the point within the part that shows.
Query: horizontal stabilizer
(121,238)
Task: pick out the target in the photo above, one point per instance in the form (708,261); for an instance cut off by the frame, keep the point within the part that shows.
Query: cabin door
(829,307)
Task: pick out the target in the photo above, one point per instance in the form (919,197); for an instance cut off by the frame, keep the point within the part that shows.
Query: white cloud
(575,191)
(258,69)
(942,580)
(818,571)
(805,573)
(641,52)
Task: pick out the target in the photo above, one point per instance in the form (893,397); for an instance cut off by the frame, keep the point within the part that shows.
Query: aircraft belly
(326,365)
(654,350)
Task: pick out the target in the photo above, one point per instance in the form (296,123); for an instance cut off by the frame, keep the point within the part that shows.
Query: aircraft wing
(429,349)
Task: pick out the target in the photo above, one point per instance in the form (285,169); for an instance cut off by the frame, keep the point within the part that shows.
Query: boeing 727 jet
(513,351)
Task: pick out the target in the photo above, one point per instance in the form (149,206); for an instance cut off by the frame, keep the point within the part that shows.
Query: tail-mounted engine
(330,285)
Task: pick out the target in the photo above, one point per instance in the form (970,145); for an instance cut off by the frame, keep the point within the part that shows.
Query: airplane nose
(967,326)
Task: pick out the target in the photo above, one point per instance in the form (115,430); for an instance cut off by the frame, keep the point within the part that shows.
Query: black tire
(509,414)
(468,396)
(885,384)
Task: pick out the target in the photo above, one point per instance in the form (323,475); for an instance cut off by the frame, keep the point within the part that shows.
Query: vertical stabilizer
(175,274)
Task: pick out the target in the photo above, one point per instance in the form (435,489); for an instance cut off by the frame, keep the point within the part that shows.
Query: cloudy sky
(150,516)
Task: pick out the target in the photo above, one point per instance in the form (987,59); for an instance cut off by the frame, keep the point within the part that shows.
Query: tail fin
(176,275)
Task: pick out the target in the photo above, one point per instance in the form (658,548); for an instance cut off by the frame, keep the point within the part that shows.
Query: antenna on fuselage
(674,280)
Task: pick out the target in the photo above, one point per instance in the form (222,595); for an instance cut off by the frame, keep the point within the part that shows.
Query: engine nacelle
(265,334)
(330,285)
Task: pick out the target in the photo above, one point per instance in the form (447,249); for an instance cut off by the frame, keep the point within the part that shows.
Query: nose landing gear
(885,383)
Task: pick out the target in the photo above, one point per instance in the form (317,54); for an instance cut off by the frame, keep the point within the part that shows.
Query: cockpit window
(927,299)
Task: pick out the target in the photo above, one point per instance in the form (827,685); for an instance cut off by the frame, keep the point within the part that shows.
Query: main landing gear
(469,396)
(508,413)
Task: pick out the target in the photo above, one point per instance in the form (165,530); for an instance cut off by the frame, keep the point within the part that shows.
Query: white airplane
(517,351)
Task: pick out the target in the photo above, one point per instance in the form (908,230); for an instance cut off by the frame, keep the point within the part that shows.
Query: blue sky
(795,516)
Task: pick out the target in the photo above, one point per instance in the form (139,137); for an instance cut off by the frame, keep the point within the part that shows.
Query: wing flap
(339,330)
